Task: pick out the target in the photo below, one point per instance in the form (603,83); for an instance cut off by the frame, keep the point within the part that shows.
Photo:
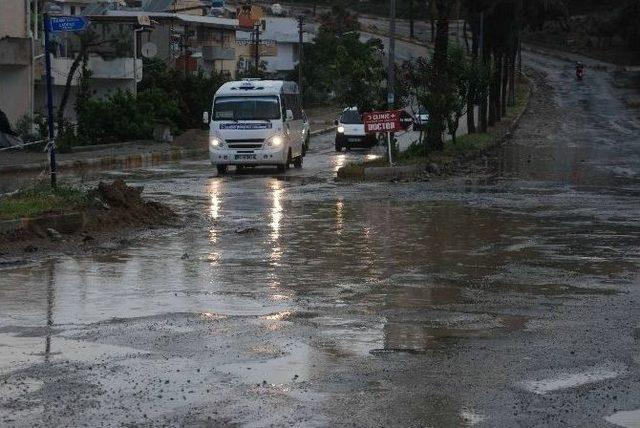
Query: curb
(392,172)
(67,223)
(516,120)
(125,161)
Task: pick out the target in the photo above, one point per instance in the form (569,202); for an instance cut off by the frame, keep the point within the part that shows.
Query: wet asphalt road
(509,301)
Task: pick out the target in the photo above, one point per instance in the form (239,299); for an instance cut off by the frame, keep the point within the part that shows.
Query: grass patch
(41,199)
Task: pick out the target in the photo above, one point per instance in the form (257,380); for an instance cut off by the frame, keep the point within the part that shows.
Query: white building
(279,40)
(16,63)
(111,66)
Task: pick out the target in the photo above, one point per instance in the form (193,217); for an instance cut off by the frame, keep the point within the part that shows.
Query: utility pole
(481,41)
(51,143)
(391,98)
(256,27)
(391,72)
(300,53)
(411,23)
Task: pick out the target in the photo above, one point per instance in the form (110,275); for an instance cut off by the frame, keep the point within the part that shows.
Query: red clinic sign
(382,121)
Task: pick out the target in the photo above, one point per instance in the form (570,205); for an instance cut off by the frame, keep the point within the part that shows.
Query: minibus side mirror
(205,117)
(289,115)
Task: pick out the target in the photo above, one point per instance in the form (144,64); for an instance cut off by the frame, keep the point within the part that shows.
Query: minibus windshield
(246,108)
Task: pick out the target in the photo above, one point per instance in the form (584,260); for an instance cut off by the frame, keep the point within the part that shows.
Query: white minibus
(256,122)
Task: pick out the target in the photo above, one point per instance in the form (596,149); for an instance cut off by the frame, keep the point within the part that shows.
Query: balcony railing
(213,53)
(115,69)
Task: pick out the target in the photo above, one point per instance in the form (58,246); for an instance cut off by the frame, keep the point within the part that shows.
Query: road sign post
(387,122)
(51,143)
(56,24)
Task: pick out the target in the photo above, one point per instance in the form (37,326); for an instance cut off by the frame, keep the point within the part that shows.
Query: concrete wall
(15,92)
(13,18)
(284,61)
(115,69)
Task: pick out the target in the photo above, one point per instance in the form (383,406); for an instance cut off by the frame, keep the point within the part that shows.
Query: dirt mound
(120,203)
(119,195)
(111,214)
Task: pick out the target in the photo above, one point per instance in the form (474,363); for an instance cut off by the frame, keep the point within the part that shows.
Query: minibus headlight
(340,129)
(275,141)
(215,142)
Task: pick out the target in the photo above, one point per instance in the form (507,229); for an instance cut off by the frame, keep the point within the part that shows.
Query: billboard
(248,16)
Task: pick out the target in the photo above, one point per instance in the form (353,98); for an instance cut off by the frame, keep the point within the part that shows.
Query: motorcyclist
(579,69)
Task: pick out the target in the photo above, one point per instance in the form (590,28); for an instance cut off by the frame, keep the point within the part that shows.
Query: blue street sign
(61,24)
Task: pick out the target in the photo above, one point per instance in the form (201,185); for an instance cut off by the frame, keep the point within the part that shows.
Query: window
(351,117)
(73,10)
(292,102)
(246,108)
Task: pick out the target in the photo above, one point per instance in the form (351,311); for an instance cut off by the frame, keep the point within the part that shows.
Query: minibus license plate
(354,140)
(245,157)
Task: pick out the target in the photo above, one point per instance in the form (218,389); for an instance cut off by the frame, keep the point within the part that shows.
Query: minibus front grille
(247,143)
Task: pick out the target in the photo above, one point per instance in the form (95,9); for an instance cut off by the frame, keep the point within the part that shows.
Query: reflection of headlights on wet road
(340,129)
(275,141)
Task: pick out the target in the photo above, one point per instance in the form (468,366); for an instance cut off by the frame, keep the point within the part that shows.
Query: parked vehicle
(256,122)
(350,131)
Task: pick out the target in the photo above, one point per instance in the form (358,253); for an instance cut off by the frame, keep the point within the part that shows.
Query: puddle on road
(293,366)
(575,379)
(365,276)
(470,418)
(21,352)
(626,419)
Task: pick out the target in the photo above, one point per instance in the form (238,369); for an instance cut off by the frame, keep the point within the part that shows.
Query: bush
(123,117)
(165,96)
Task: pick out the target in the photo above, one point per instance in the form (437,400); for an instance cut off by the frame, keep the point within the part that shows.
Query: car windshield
(351,117)
(246,108)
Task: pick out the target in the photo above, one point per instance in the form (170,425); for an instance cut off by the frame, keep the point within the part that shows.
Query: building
(16,59)
(76,7)
(279,45)
(188,42)
(110,60)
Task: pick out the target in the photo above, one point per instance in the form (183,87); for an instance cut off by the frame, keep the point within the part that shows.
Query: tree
(88,41)
(359,72)
(469,82)
(441,83)
(339,64)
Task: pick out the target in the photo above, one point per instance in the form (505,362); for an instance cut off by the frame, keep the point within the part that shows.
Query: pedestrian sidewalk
(126,155)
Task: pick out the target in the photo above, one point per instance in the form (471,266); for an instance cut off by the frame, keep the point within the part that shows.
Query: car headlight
(275,141)
(340,129)
(215,142)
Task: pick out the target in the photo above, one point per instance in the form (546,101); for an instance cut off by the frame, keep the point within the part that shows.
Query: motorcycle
(579,73)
